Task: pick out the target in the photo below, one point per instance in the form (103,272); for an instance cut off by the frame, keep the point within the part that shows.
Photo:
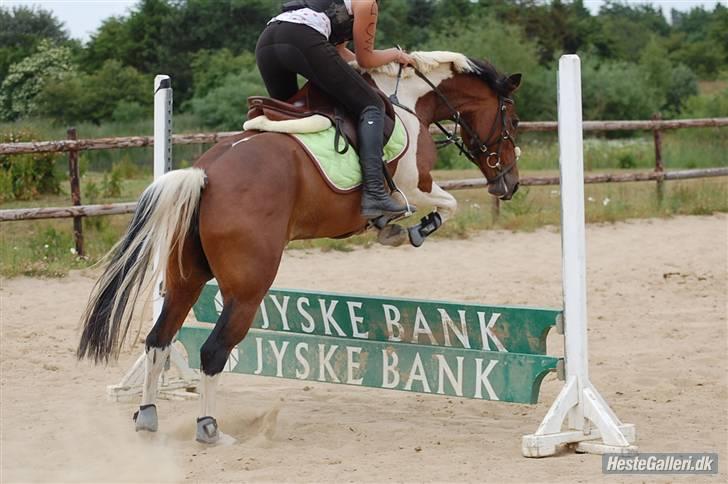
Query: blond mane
(428,62)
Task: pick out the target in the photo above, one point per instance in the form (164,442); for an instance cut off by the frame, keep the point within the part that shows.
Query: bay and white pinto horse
(232,214)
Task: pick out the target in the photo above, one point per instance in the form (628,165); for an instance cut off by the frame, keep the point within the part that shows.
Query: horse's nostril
(515,188)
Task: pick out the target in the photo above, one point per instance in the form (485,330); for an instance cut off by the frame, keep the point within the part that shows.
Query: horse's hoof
(392,235)
(415,236)
(207,431)
(146,418)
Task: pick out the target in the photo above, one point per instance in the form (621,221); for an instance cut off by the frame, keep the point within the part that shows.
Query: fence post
(74,177)
(659,167)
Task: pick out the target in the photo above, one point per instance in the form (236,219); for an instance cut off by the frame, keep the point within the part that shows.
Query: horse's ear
(514,81)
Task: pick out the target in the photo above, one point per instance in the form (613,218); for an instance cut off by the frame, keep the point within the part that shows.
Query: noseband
(476,147)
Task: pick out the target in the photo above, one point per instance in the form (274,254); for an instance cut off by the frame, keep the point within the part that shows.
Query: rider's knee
(375,103)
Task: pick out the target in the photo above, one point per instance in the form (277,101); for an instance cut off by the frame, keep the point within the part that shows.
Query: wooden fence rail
(599,178)
(62,146)
(73,146)
(122,208)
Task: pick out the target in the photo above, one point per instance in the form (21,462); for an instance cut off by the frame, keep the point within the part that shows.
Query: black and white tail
(163,217)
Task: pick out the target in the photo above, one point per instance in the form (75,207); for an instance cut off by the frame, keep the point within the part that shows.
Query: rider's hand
(405,59)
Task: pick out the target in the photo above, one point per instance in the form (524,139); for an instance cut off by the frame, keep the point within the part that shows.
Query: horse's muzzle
(506,187)
(508,196)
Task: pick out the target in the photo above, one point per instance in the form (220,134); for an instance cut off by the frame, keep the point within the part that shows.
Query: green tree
(699,39)
(111,41)
(27,78)
(163,36)
(557,27)
(210,68)
(21,29)
(624,30)
(407,23)
(536,97)
(657,65)
(113,90)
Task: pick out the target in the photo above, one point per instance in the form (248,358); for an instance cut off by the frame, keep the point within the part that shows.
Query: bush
(130,111)
(683,84)
(23,177)
(224,107)
(126,169)
(617,90)
(707,106)
(111,184)
(626,161)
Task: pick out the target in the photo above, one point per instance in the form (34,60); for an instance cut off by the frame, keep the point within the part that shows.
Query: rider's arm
(366,13)
(345,53)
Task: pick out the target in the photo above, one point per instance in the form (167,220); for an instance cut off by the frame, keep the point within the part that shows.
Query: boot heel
(371,213)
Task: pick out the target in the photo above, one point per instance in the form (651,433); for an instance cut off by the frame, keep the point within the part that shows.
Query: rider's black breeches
(286,49)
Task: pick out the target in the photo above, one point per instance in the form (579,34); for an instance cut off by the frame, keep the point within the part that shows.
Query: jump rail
(464,350)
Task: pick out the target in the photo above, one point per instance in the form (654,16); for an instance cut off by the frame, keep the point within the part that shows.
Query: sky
(83,17)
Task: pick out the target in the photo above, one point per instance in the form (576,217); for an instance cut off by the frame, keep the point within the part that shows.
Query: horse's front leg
(445,207)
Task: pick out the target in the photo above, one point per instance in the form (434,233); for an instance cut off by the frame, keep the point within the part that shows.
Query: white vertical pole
(162,151)
(573,245)
(579,404)
(162,125)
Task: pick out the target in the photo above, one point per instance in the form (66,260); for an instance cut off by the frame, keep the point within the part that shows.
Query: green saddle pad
(342,172)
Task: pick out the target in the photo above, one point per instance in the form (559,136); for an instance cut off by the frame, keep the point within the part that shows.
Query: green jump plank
(437,323)
(486,375)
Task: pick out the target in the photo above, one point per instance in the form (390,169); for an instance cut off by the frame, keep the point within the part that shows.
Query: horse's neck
(413,89)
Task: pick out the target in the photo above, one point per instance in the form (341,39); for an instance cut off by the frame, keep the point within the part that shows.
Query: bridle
(491,148)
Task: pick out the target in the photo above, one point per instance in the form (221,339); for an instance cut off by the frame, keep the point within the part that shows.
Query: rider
(310,38)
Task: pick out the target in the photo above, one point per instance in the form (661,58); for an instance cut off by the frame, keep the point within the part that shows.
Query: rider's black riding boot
(375,200)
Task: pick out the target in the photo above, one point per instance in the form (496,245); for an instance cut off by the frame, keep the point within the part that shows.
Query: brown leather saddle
(311,100)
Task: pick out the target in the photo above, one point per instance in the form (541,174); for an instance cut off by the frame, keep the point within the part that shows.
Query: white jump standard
(579,405)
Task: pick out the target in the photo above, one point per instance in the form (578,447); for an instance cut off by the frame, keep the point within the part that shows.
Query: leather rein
(476,147)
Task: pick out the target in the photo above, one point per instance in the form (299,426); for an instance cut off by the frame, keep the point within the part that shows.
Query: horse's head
(474,95)
(485,103)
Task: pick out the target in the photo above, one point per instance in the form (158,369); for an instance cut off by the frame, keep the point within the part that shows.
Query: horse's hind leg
(235,320)
(181,294)
(243,286)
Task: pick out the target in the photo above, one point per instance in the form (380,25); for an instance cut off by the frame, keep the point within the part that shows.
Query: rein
(477,147)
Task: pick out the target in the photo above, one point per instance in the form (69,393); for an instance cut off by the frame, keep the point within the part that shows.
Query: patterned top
(306,16)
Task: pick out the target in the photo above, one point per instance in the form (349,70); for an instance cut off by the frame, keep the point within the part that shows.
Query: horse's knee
(213,356)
